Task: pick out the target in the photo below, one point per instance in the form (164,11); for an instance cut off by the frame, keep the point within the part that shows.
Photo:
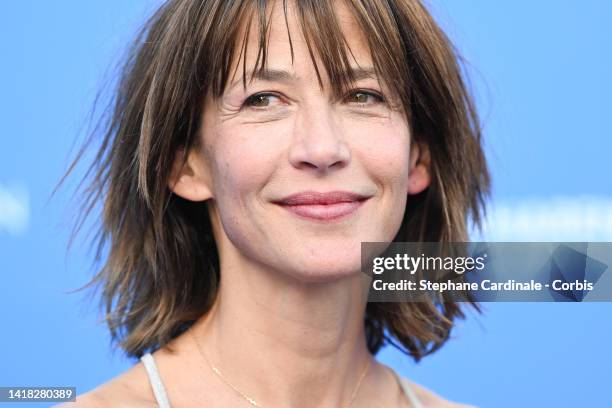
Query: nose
(318,142)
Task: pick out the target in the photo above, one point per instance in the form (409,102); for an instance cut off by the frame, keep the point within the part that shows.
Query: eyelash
(249,101)
(376,95)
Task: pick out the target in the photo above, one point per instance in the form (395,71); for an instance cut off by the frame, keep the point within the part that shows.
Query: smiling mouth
(329,206)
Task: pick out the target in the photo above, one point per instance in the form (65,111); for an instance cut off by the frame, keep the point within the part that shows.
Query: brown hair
(162,268)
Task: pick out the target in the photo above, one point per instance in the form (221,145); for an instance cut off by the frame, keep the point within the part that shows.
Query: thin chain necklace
(251,400)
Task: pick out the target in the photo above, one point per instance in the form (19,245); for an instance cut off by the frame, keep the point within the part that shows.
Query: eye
(362,97)
(260,100)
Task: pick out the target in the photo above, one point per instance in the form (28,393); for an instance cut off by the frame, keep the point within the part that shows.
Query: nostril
(321,159)
(318,142)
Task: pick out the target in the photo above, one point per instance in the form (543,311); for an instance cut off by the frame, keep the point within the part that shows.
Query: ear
(190,178)
(419,176)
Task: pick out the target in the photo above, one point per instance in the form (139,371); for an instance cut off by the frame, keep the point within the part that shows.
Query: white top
(163,402)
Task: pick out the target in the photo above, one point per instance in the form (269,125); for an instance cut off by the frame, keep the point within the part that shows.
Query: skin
(287,326)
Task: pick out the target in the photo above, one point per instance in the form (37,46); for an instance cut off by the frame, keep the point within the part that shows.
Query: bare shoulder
(430,399)
(129,389)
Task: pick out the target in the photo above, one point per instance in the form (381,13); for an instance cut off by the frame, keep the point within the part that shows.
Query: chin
(322,276)
(325,267)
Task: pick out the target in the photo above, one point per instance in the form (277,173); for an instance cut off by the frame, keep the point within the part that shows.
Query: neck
(284,342)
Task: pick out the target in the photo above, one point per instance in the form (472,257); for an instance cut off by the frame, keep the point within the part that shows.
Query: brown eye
(261,100)
(359,97)
(364,98)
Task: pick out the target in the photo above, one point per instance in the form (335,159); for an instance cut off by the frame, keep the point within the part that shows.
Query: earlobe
(189,177)
(419,176)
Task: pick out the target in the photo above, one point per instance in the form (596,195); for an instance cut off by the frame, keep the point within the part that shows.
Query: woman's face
(297,177)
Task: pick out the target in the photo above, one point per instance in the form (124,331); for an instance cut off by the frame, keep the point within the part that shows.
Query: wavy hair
(162,268)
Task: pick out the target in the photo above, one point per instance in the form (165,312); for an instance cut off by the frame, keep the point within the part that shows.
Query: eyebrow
(276,75)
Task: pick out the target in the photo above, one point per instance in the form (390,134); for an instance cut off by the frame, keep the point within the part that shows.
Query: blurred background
(541,74)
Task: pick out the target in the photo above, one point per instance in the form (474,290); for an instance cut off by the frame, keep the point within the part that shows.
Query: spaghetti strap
(408,391)
(155,380)
(163,402)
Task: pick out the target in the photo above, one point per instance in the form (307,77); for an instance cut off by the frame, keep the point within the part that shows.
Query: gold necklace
(251,400)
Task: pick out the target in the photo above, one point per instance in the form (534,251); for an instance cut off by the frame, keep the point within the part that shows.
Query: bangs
(163,268)
(328,48)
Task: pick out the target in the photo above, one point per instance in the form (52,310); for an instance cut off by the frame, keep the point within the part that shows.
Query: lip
(328,206)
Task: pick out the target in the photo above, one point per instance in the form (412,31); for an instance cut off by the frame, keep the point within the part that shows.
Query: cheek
(242,162)
(244,157)
(384,149)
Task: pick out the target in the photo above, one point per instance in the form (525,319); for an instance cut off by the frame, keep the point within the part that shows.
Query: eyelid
(262,93)
(380,98)
(371,92)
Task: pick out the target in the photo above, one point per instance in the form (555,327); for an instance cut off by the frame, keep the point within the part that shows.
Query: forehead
(324,41)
